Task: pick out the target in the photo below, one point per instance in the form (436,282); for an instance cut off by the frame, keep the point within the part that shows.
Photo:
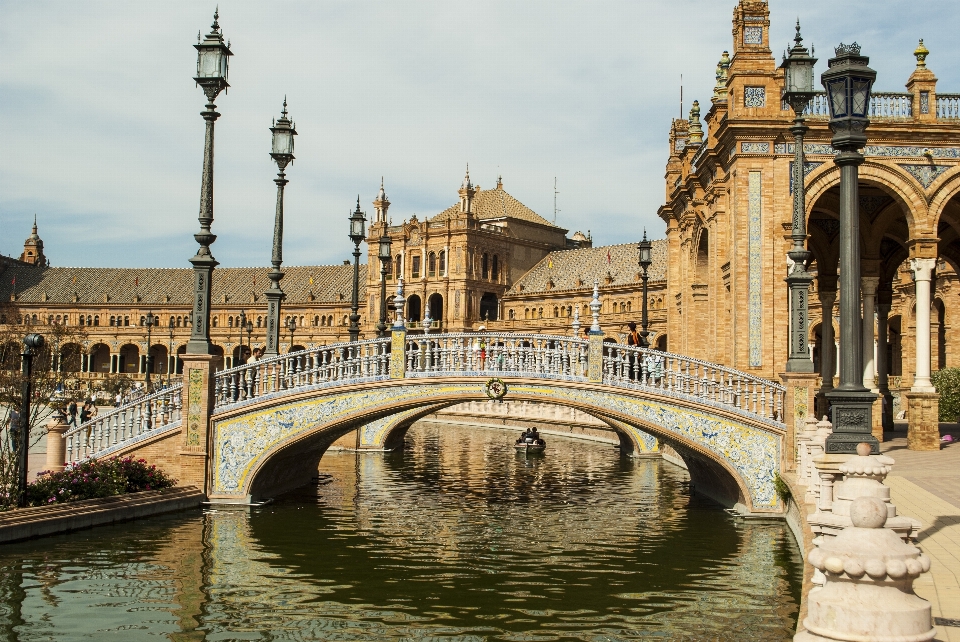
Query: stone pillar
(922,270)
(827,348)
(922,400)
(797,408)
(868,593)
(804,465)
(398,353)
(56,444)
(868,286)
(883,367)
(195,447)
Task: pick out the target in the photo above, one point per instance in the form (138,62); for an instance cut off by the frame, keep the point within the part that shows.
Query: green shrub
(783,491)
(96,478)
(947,383)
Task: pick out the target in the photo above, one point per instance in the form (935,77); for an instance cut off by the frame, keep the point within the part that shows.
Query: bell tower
(33,248)
(467,193)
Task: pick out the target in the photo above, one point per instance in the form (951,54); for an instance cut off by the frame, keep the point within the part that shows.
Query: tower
(467,193)
(381,204)
(33,248)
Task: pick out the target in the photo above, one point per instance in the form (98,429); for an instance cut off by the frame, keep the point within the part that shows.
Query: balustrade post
(595,357)
(198,398)
(56,444)
(398,352)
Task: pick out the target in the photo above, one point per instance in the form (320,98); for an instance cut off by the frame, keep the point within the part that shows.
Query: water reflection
(455,538)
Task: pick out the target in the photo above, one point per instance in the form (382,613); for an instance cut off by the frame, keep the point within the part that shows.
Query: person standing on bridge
(633,339)
(480,347)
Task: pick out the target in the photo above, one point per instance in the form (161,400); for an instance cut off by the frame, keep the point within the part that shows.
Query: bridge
(259,429)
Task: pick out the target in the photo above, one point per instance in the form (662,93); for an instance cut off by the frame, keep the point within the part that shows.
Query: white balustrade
(948,106)
(155,411)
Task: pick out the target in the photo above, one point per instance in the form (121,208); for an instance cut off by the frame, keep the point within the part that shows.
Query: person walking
(72,412)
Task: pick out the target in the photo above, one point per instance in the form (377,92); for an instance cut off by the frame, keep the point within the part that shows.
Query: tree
(53,365)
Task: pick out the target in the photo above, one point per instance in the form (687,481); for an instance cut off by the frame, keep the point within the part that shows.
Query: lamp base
(852,421)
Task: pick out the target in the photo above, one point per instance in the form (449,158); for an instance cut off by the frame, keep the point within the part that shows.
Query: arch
(182,350)
(256,447)
(435,302)
(661,342)
(99,359)
(414,307)
(948,187)
(158,359)
(432,264)
(128,358)
(489,306)
(442,267)
(71,355)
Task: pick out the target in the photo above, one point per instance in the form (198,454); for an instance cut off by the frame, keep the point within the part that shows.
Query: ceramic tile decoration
(894,151)
(808,166)
(926,174)
(194,408)
(924,102)
(753,35)
(754,96)
(754,148)
(755,289)
(750,451)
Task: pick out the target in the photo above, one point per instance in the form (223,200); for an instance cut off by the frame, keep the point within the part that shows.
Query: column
(883,364)
(868,286)
(922,271)
(923,402)
(827,348)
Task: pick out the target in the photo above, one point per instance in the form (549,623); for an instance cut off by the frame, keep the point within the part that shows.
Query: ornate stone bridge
(256,430)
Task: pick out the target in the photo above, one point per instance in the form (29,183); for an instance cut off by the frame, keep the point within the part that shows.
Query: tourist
(256,356)
(480,347)
(633,339)
(72,412)
(85,412)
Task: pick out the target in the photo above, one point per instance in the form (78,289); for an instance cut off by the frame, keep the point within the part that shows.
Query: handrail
(158,410)
(464,354)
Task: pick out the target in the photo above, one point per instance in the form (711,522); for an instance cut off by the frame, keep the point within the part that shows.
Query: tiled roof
(496,203)
(153,285)
(577,269)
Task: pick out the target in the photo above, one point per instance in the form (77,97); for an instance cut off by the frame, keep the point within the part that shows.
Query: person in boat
(536,437)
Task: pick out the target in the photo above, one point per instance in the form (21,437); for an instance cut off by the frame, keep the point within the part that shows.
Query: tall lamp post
(797,92)
(31,342)
(848,81)
(357,221)
(212,65)
(385,255)
(645,248)
(282,152)
(150,321)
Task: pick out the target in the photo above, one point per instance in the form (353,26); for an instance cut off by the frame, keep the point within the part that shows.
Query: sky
(102,137)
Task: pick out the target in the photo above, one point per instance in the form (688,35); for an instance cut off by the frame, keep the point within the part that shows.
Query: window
(143,321)
(495,272)
(113,321)
(346,320)
(484,271)
(415,268)
(540,313)
(556,312)
(512,316)
(215,320)
(230,322)
(443,263)
(126,320)
(396,266)
(526,313)
(259,321)
(316,321)
(50,320)
(81,320)
(96,320)
(431,264)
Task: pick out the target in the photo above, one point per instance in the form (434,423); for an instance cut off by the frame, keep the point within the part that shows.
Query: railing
(341,363)
(677,375)
(153,412)
(501,353)
(882,105)
(948,106)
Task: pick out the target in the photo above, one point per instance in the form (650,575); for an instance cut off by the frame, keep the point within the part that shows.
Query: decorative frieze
(755,292)
(926,174)
(754,148)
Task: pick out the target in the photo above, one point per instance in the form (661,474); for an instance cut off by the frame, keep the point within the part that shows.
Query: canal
(456,538)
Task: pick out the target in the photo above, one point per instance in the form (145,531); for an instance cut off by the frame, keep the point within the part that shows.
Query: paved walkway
(926,486)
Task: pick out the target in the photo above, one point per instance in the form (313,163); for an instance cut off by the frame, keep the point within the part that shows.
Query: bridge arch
(274,444)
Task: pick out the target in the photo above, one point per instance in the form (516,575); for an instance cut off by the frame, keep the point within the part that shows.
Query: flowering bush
(96,478)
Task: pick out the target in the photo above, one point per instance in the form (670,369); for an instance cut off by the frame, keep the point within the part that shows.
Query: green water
(456,537)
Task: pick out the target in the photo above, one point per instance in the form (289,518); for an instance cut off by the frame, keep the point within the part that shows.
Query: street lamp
(645,248)
(357,221)
(149,360)
(212,66)
(292,327)
(282,152)
(797,92)
(385,255)
(848,81)
(31,342)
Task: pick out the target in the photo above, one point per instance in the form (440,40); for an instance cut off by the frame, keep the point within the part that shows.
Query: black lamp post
(292,327)
(212,65)
(171,359)
(645,248)
(797,92)
(385,256)
(150,321)
(357,220)
(848,82)
(31,342)
(282,152)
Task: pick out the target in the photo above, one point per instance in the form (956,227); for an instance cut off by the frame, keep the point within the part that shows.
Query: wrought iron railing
(151,413)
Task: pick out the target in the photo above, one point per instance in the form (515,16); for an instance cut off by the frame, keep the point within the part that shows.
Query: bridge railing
(501,352)
(341,363)
(675,374)
(156,411)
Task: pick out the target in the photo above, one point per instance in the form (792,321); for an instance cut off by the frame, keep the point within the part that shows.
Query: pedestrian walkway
(926,486)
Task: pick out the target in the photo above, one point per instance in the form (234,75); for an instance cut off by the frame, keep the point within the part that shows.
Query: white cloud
(100,125)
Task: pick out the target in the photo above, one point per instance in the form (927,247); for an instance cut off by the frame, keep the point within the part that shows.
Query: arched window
(259,321)
(126,320)
(81,320)
(443,263)
(526,313)
(346,320)
(143,321)
(316,321)
(50,320)
(556,312)
(301,323)
(113,321)
(215,324)
(230,321)
(432,264)
(415,267)
(396,266)
(330,320)
(512,315)
(484,266)
(96,320)
(540,313)
(629,306)
(569,310)
(495,272)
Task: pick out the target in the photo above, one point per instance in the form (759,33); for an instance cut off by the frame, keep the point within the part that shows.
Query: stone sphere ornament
(868,512)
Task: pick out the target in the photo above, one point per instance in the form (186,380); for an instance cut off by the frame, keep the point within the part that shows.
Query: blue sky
(102,137)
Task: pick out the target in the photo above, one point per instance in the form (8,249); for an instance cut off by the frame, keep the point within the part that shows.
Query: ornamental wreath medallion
(495,389)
